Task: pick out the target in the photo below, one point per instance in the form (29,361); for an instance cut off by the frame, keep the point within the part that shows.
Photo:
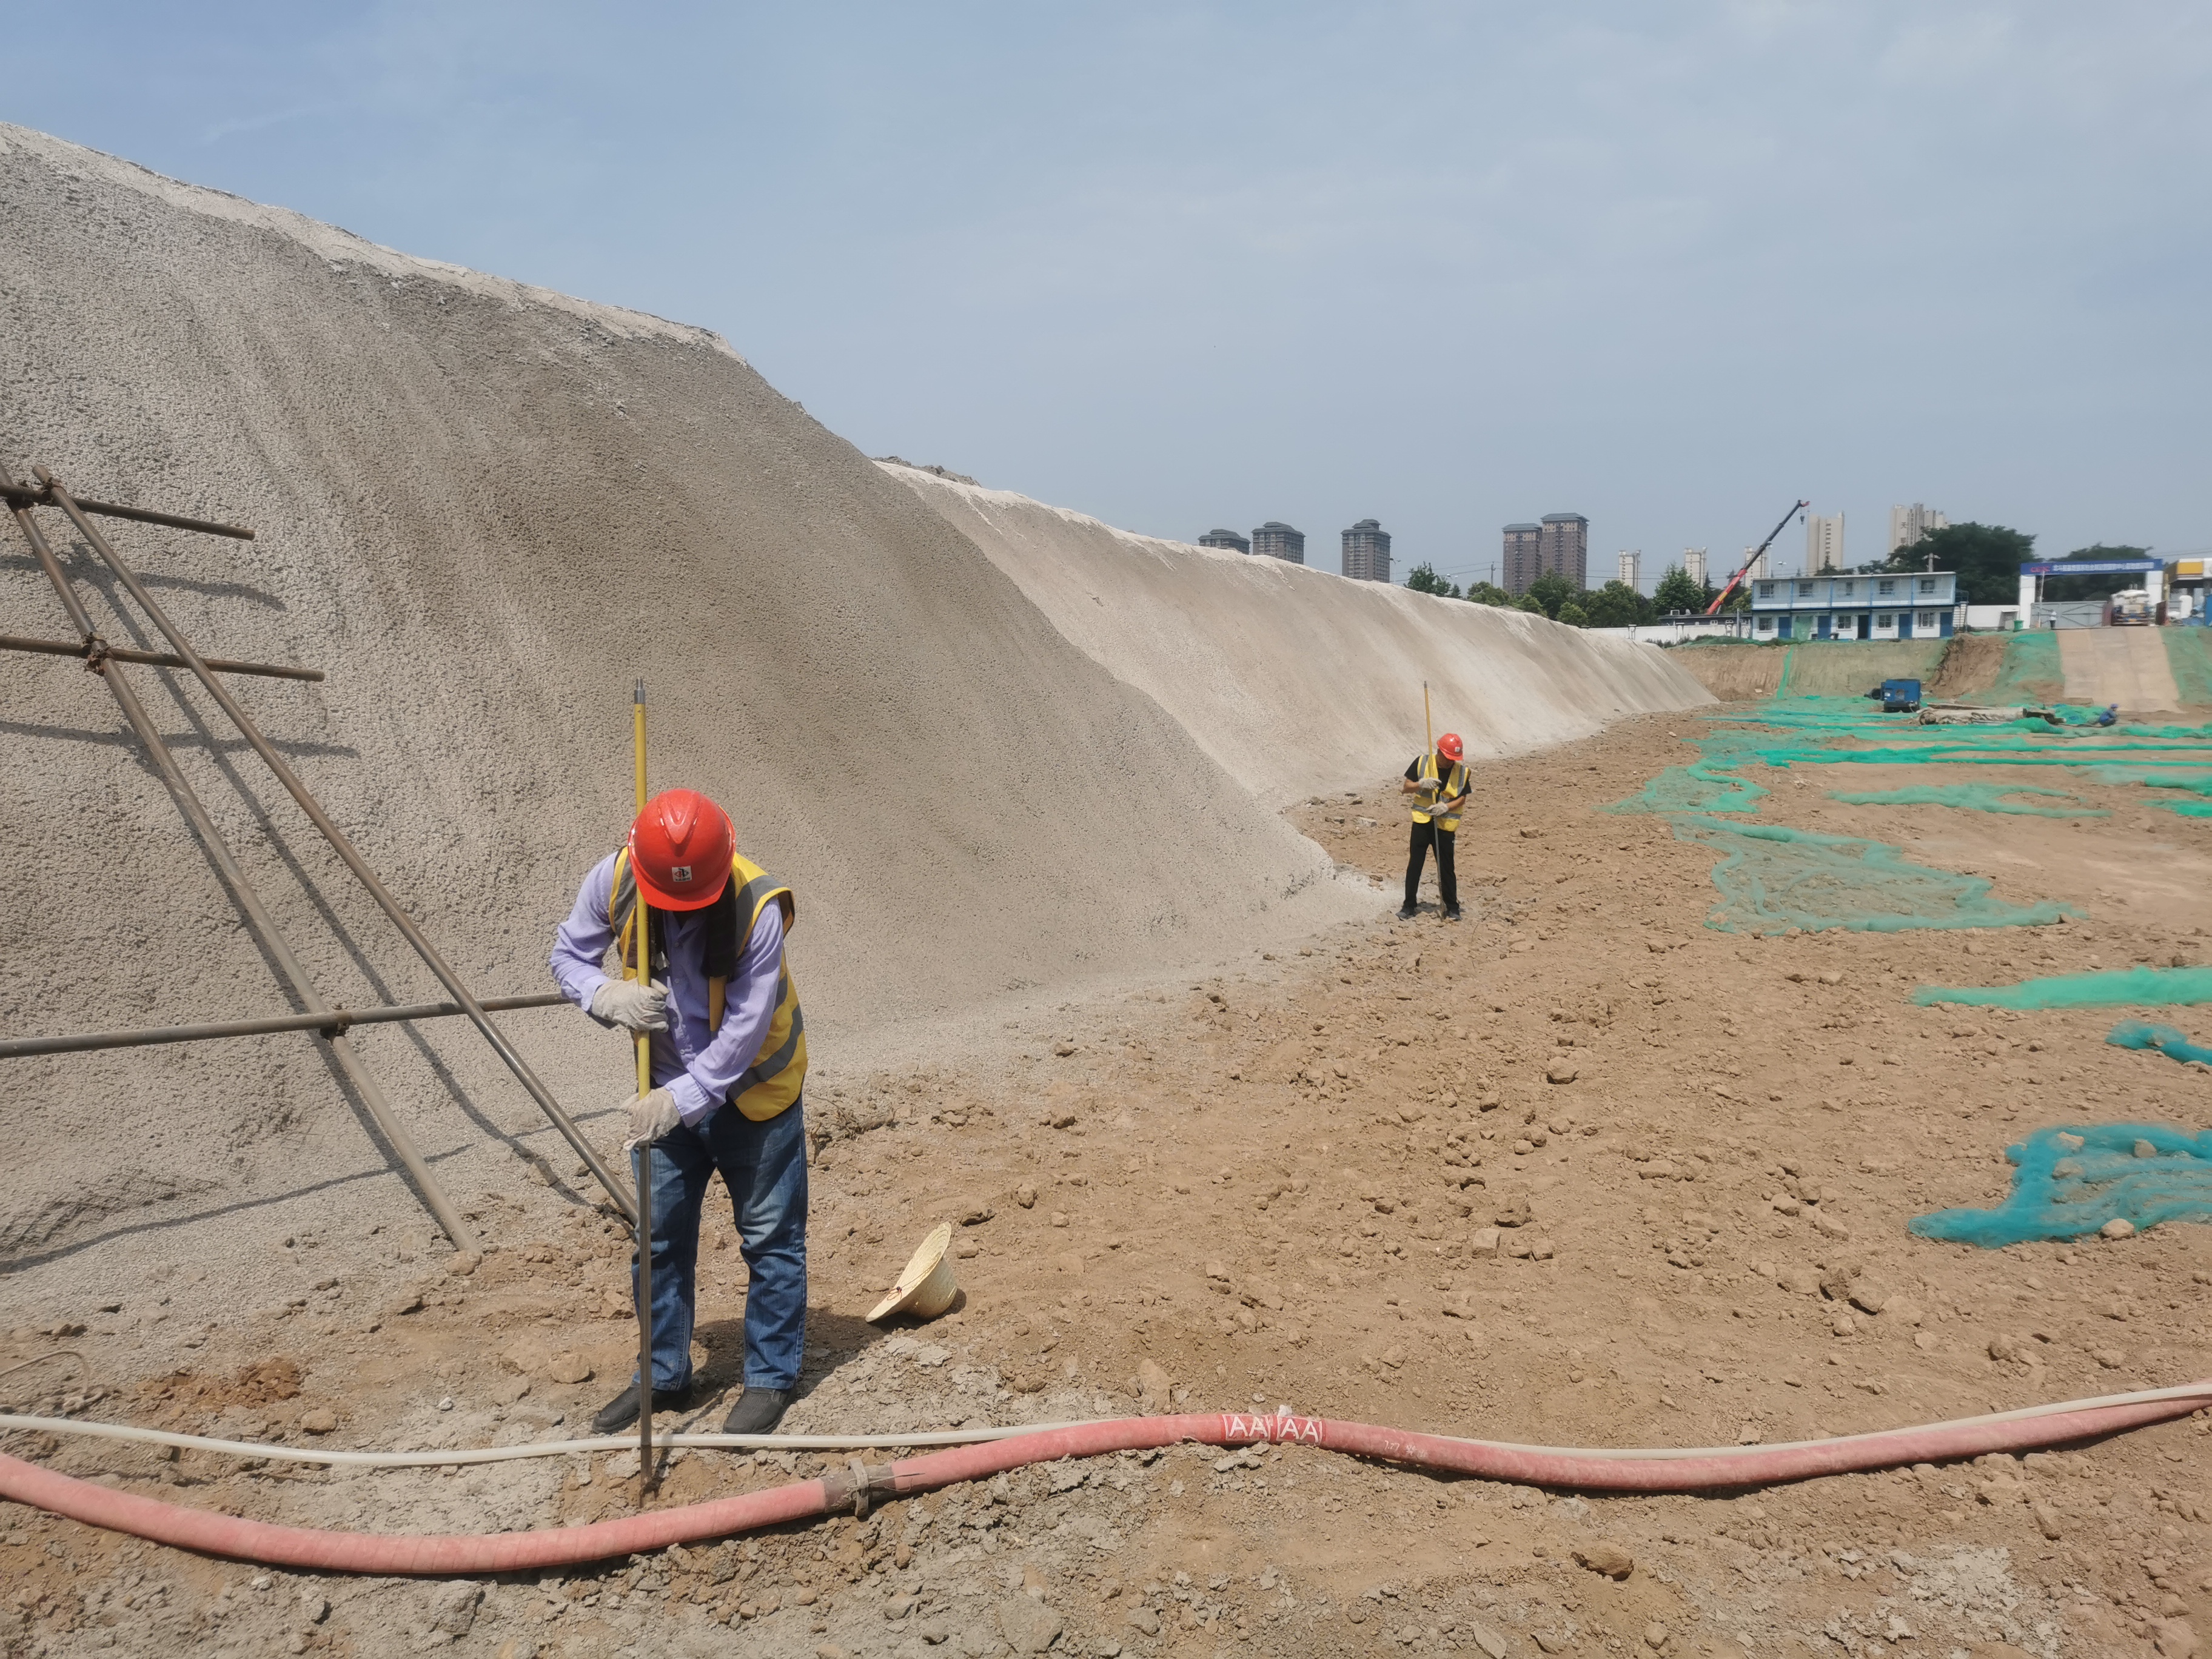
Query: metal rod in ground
(337,1019)
(615,1188)
(641,928)
(641,1287)
(18,495)
(257,917)
(99,650)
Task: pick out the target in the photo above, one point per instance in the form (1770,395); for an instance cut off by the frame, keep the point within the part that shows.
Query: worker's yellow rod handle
(640,919)
(1428,720)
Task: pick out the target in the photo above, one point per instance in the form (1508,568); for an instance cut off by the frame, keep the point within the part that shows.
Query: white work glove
(651,1116)
(634,1007)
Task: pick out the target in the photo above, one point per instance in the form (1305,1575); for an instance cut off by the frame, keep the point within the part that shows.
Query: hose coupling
(856,1484)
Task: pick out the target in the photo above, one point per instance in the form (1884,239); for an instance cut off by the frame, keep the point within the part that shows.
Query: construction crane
(1756,553)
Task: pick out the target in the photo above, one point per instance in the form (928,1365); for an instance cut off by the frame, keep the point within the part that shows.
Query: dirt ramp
(1294,679)
(486,510)
(2123,665)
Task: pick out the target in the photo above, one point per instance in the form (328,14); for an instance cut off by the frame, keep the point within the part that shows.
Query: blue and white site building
(1903,604)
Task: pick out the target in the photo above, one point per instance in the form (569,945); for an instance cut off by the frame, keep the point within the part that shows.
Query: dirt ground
(1344,1179)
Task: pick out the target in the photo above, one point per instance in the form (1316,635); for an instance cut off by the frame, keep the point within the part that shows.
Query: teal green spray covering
(1693,788)
(2069,1181)
(2174,1045)
(1773,878)
(2117,987)
(1974,798)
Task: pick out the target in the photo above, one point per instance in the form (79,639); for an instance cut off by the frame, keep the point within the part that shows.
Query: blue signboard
(2093,568)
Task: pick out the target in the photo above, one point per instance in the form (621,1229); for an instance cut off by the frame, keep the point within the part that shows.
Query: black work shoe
(1452,915)
(758,1412)
(619,1412)
(1407,913)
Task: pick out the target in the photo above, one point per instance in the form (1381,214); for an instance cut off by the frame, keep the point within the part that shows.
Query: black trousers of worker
(1417,855)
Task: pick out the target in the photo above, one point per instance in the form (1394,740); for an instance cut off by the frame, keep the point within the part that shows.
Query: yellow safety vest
(778,1073)
(1454,785)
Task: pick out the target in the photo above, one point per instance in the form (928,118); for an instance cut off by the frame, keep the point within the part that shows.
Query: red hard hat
(680,848)
(1448,745)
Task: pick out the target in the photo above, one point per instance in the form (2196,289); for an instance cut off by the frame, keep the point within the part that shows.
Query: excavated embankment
(485,509)
(1295,679)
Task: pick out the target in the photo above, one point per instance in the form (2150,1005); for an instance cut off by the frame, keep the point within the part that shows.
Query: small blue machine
(1899,696)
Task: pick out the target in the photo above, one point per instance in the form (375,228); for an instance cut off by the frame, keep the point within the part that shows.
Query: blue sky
(1670,266)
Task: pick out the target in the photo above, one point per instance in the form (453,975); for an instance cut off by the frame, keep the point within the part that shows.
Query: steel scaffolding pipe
(20,495)
(96,651)
(615,1188)
(327,1025)
(263,926)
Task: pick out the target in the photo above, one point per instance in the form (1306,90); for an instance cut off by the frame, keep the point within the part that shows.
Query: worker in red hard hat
(728,1064)
(1439,780)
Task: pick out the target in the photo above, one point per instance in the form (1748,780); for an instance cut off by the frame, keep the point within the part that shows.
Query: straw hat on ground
(925,1288)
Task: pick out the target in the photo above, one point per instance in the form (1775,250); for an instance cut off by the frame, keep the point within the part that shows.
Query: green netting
(2183,775)
(2069,1181)
(1773,878)
(2189,655)
(1975,798)
(2117,987)
(2174,1045)
(1693,788)
(2031,671)
(1847,668)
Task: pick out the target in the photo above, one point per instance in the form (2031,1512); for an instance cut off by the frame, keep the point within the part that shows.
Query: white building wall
(1693,564)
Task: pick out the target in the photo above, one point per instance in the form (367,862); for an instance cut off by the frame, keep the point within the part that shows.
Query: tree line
(1986,557)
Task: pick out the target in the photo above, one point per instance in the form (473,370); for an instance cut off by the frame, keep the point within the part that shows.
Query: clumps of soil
(264,1383)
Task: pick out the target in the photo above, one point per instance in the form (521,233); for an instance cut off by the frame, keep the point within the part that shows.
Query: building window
(1766,624)
(1926,619)
(1766,590)
(1885,620)
(1885,589)
(1804,590)
(1928,584)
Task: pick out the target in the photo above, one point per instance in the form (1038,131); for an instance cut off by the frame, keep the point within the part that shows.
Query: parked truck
(2130,608)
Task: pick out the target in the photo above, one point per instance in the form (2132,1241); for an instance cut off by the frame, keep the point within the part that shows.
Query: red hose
(473,1555)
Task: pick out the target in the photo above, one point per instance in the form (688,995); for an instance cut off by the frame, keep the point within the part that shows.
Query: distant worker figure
(1441,792)
(728,1066)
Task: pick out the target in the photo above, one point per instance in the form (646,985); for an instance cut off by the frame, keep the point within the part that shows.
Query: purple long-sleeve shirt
(695,1064)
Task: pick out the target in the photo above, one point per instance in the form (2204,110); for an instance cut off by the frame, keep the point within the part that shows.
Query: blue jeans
(764,1166)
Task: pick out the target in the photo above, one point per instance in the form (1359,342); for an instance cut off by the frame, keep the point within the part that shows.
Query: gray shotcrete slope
(486,509)
(1293,678)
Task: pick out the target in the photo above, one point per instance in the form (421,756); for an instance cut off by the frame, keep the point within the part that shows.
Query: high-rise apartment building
(1277,540)
(1631,568)
(1228,540)
(1523,548)
(1367,552)
(1907,525)
(1694,564)
(1565,547)
(1824,543)
(1756,564)
(1560,544)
